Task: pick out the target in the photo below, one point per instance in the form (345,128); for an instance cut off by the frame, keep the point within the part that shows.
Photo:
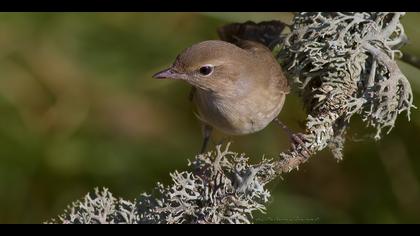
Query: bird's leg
(207,130)
(296,139)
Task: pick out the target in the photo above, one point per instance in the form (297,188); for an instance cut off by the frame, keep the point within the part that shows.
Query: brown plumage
(238,88)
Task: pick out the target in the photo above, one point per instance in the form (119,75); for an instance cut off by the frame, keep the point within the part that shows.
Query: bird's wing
(268,33)
(259,39)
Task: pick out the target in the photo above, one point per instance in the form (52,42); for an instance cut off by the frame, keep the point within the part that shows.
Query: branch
(411,59)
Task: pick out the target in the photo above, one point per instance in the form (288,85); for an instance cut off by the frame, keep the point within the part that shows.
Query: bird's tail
(266,32)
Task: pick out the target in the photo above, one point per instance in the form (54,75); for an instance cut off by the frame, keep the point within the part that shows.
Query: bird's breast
(238,116)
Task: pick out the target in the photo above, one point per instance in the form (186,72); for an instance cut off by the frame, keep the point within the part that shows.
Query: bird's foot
(297,140)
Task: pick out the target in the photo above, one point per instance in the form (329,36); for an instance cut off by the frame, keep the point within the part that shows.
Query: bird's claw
(297,140)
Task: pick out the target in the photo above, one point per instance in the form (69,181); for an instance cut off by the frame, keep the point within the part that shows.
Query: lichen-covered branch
(341,64)
(221,188)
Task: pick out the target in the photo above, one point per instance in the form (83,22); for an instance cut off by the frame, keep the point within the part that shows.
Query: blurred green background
(79,109)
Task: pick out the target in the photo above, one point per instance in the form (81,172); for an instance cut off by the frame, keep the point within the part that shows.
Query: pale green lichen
(222,188)
(343,64)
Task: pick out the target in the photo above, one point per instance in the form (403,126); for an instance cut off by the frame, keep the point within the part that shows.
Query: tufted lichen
(222,188)
(343,64)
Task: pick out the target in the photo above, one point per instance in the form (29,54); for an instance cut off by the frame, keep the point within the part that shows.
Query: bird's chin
(198,85)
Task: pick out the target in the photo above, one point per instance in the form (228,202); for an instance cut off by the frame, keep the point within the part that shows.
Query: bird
(238,86)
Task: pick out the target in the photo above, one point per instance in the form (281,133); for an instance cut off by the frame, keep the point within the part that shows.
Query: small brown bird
(239,87)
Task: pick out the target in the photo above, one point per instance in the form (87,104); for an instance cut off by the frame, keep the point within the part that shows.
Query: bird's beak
(168,74)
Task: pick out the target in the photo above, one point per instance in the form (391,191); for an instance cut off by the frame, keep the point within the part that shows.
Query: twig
(411,59)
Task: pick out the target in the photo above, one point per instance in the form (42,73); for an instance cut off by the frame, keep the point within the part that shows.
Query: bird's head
(212,65)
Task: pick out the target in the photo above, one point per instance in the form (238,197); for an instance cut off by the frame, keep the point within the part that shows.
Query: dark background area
(79,109)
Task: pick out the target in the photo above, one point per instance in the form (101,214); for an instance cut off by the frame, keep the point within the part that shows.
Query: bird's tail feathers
(267,33)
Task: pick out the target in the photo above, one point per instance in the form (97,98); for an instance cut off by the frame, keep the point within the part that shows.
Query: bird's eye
(206,70)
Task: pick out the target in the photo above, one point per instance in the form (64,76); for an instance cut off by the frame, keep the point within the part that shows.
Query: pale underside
(238,116)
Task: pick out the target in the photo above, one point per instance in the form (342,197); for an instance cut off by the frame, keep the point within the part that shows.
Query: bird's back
(274,77)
